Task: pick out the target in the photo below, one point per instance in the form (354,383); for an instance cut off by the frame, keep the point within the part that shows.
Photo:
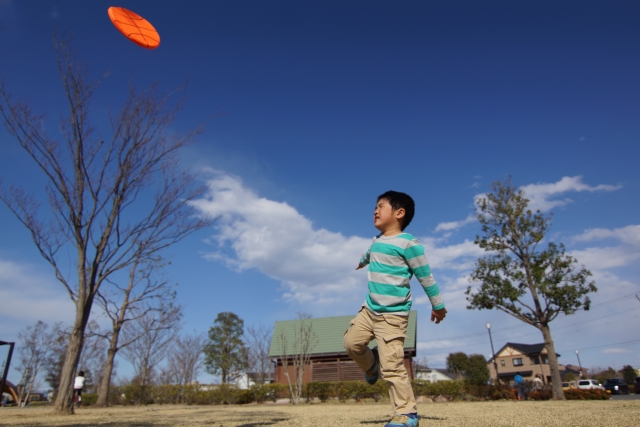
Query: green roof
(329,332)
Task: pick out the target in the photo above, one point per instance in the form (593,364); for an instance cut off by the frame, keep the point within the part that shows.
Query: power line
(499,330)
(615,299)
(609,345)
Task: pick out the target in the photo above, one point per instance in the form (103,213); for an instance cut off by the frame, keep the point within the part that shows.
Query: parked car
(589,384)
(567,385)
(616,386)
(636,385)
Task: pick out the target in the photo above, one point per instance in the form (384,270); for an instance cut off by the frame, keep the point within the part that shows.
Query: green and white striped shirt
(392,262)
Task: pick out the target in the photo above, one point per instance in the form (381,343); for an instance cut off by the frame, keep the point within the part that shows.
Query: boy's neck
(391,231)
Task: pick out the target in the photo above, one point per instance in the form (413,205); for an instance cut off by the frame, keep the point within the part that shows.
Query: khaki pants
(389,331)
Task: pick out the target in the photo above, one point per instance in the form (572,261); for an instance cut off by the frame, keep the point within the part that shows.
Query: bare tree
(296,346)
(185,361)
(55,358)
(101,193)
(141,294)
(93,356)
(150,337)
(258,340)
(35,344)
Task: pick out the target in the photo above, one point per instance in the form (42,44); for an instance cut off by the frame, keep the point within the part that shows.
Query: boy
(393,258)
(78,385)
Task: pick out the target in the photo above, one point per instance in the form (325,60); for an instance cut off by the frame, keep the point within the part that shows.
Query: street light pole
(579,364)
(493,353)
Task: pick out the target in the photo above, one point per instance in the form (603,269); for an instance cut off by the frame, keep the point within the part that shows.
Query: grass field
(476,414)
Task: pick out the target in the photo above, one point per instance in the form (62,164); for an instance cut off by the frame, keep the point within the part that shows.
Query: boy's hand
(360,265)
(438,315)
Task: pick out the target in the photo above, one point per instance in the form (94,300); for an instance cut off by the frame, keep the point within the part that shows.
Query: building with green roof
(328,359)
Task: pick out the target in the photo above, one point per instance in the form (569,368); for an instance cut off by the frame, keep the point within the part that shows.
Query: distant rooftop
(330,331)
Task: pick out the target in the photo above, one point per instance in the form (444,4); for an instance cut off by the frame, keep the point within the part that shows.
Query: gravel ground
(478,414)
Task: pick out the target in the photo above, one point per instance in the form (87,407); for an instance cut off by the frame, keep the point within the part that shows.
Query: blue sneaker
(372,374)
(408,420)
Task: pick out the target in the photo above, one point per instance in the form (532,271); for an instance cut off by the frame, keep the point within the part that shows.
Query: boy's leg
(390,330)
(357,338)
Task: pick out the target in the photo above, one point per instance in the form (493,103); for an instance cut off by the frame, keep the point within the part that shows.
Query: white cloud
(454,225)
(313,265)
(629,235)
(435,344)
(541,195)
(605,257)
(26,296)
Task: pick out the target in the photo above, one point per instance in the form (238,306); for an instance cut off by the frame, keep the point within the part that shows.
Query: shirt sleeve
(364,260)
(417,261)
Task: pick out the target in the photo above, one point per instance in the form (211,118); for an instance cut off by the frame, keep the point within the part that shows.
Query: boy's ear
(400,213)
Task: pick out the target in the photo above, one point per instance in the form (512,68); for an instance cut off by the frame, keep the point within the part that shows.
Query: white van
(589,384)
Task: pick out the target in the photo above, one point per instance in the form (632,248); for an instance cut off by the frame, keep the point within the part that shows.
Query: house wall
(432,376)
(529,370)
(336,368)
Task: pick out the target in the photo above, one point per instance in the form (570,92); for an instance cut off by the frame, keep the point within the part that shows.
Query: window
(517,361)
(501,362)
(545,360)
(535,360)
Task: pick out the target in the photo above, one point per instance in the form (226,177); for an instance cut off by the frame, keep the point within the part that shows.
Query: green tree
(601,375)
(225,354)
(533,285)
(477,372)
(629,374)
(458,363)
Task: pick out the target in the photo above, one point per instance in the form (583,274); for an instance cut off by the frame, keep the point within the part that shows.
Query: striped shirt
(392,261)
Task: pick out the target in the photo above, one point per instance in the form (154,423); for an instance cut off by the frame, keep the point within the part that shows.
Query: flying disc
(134,27)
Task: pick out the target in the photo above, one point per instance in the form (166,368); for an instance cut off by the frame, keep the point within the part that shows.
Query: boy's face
(385,218)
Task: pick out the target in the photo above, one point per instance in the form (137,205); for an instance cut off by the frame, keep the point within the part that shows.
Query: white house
(434,375)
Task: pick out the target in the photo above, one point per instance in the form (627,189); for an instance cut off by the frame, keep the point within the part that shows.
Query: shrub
(167,393)
(578,394)
(540,395)
(89,399)
(452,388)
(322,390)
(244,397)
(135,394)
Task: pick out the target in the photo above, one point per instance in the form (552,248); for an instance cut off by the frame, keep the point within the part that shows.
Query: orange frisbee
(134,27)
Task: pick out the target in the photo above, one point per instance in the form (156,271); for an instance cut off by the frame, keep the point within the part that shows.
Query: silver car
(589,385)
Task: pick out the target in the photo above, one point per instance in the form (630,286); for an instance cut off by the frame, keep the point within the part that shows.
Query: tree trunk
(64,401)
(556,381)
(105,384)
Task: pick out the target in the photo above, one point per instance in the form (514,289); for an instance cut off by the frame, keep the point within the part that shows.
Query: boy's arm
(417,260)
(364,260)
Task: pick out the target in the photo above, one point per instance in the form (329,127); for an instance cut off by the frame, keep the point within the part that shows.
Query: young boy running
(393,258)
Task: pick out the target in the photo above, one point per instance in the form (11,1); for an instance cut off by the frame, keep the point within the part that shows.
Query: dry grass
(489,414)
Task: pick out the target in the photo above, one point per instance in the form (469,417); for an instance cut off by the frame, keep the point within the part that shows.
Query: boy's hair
(399,200)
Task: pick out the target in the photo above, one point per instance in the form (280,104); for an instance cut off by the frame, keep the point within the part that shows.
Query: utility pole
(579,364)
(493,353)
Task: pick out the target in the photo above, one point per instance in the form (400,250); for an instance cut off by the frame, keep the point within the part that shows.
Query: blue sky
(314,109)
